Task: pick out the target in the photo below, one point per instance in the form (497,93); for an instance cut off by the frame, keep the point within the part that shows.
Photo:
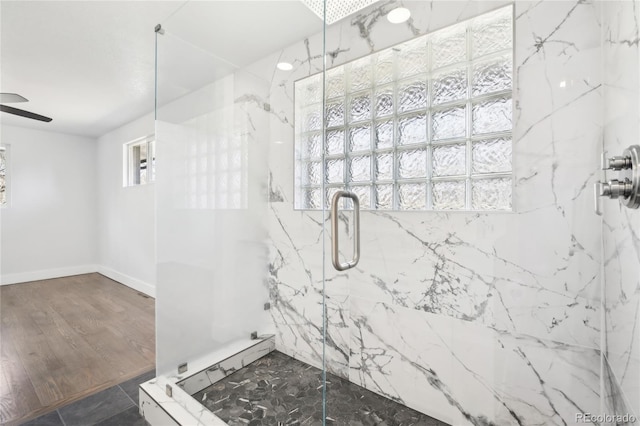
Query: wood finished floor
(66,338)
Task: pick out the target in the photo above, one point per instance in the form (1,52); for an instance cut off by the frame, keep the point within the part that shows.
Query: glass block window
(424,125)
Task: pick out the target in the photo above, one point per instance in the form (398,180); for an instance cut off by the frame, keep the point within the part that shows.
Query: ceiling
(90,64)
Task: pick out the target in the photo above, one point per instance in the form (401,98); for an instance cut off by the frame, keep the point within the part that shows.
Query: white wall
(49,228)
(69,213)
(126,215)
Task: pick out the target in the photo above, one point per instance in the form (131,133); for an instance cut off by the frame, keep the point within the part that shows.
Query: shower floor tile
(277,389)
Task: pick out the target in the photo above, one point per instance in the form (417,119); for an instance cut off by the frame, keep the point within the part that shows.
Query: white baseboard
(46,274)
(134,283)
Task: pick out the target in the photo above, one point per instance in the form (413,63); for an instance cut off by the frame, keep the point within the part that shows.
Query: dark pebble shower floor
(279,390)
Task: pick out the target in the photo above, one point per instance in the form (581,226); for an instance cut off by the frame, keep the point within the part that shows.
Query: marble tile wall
(472,318)
(621,225)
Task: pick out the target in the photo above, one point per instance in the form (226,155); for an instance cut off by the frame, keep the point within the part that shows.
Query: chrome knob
(613,189)
(632,178)
(602,189)
(618,162)
(616,189)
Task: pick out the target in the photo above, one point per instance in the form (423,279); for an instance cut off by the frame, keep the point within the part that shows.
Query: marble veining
(469,374)
(614,398)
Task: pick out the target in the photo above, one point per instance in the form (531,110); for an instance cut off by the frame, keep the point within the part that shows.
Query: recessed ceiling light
(399,15)
(284,66)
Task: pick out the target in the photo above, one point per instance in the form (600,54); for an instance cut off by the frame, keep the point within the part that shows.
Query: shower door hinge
(182,368)
(254,335)
(169,391)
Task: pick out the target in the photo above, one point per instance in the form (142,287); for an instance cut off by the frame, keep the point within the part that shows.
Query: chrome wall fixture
(627,187)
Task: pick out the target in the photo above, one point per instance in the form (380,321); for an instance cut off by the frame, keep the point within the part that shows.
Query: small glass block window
(412,95)
(383,67)
(423,125)
(335,114)
(384,101)
(450,86)
(360,107)
(335,142)
(448,195)
(384,166)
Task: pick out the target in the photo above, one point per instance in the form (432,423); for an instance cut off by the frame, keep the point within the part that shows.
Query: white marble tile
(462,373)
(296,287)
(404,356)
(535,272)
(303,338)
(151,411)
(159,409)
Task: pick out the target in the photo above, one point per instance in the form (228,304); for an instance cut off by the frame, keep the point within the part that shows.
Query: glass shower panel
(490,316)
(212,141)
(234,256)
(621,365)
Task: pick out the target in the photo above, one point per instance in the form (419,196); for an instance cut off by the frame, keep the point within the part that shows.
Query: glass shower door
(470,134)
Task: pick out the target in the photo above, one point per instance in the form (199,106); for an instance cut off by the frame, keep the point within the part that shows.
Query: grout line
(121,411)
(130,399)
(104,420)
(114,414)
(60,416)
(618,384)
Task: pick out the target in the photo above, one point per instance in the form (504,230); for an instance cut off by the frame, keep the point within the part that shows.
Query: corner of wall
(134,283)
(46,274)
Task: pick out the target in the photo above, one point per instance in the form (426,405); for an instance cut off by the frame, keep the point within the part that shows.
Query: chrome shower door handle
(334,231)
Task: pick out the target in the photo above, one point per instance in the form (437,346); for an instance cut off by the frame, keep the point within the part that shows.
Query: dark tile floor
(278,389)
(115,406)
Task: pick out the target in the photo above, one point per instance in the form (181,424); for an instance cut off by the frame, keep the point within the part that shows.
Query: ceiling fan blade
(9,98)
(23,113)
